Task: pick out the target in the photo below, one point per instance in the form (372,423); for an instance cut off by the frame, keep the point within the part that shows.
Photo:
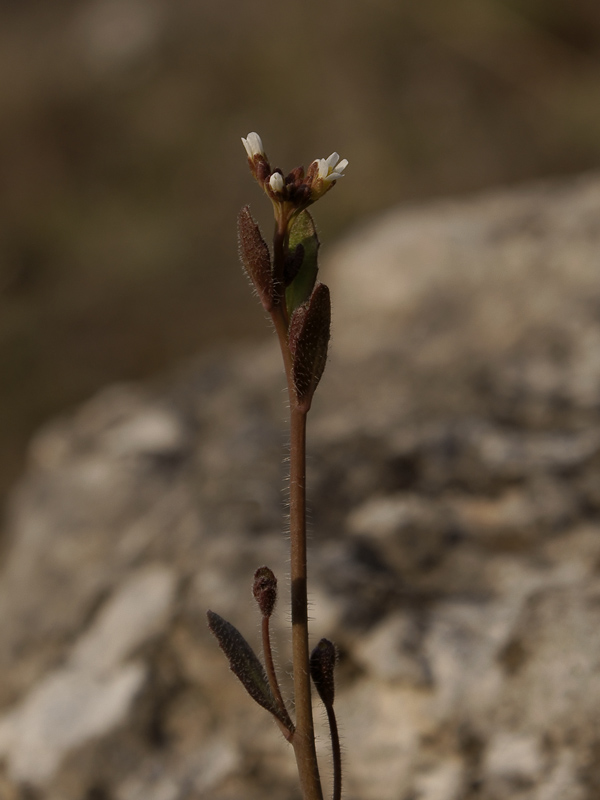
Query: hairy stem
(279,243)
(336,753)
(288,729)
(303,738)
(281,328)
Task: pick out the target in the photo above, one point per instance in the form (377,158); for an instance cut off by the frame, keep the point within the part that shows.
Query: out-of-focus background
(122,169)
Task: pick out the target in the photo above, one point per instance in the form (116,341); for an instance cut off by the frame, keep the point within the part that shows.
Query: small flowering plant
(293,193)
(285,279)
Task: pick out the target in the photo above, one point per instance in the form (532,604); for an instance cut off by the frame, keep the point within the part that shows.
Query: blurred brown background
(122,170)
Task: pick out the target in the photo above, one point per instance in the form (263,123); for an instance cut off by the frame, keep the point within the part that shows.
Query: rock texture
(455,555)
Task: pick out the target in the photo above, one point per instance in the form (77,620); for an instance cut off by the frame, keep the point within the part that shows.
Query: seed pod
(255,257)
(264,590)
(322,665)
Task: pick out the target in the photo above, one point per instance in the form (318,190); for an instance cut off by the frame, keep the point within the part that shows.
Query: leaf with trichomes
(244,663)
(308,339)
(255,257)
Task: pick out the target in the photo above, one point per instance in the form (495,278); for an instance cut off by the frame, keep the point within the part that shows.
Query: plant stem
(336,753)
(303,738)
(281,328)
(279,240)
(287,730)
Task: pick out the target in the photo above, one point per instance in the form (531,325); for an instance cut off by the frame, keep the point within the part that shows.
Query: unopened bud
(296,176)
(264,590)
(276,182)
(257,158)
(253,144)
(322,666)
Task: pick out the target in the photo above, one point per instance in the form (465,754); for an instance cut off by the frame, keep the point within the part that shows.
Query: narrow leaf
(244,663)
(308,342)
(255,257)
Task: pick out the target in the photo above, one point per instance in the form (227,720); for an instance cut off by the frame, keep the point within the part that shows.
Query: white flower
(253,145)
(328,169)
(276,182)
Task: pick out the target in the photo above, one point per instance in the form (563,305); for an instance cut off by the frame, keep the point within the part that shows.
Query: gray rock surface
(455,553)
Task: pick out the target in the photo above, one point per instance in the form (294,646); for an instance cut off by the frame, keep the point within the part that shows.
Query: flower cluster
(292,193)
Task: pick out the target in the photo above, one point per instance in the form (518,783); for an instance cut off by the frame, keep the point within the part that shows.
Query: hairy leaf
(308,341)
(244,663)
(255,257)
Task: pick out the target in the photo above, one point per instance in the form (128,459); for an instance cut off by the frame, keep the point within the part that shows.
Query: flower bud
(253,144)
(322,665)
(264,590)
(257,158)
(276,182)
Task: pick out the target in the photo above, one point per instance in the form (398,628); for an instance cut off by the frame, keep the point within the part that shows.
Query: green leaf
(303,241)
(244,663)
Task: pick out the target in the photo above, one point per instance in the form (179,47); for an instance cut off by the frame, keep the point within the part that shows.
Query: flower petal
(323,168)
(246,144)
(256,144)
(332,160)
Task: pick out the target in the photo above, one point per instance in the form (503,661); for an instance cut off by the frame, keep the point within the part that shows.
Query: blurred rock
(455,554)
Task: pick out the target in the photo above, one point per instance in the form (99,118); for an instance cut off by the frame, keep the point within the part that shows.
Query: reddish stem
(303,738)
